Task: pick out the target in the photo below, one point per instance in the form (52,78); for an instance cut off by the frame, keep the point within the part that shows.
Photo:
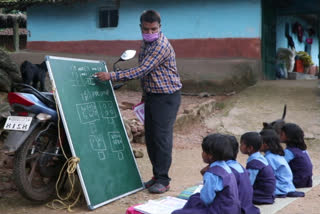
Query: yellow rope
(71,163)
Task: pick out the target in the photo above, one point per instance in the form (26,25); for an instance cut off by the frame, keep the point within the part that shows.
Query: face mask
(150,37)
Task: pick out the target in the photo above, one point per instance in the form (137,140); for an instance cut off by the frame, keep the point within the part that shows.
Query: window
(108,17)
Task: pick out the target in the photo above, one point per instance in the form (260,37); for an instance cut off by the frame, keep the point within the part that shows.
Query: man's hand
(103,76)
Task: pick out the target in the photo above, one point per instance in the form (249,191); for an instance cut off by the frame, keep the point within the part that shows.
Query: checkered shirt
(157,68)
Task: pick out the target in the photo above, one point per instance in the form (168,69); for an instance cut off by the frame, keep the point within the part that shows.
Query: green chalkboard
(95,130)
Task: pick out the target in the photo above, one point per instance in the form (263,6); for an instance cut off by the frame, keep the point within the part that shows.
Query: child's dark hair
(234,145)
(295,136)
(252,139)
(217,145)
(272,139)
(150,16)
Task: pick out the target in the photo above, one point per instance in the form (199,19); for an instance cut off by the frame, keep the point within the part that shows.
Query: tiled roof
(9,31)
(17,4)
(22,4)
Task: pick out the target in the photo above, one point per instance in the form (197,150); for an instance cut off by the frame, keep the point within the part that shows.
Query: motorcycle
(37,139)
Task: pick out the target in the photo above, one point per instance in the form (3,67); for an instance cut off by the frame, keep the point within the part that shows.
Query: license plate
(18,123)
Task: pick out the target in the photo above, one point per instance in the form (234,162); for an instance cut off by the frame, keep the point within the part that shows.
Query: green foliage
(306,58)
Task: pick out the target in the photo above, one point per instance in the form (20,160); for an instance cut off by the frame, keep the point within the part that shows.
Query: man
(161,86)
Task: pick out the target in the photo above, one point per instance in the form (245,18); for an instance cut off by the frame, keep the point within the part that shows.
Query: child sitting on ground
(296,155)
(242,176)
(260,172)
(220,192)
(275,156)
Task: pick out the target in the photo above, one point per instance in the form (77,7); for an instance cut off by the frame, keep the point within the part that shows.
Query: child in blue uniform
(220,192)
(275,157)
(260,172)
(242,176)
(296,155)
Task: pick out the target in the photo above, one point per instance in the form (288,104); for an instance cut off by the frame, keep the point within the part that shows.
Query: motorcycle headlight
(43,117)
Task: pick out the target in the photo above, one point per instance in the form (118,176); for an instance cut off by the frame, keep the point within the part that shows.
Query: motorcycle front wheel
(37,166)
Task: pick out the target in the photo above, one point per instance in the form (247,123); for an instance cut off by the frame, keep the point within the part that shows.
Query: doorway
(289,28)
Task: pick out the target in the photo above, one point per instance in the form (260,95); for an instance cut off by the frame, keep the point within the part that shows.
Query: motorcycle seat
(45,97)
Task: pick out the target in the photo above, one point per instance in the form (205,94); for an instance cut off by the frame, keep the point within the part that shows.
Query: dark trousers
(160,114)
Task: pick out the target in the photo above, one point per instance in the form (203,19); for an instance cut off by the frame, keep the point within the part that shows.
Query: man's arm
(150,62)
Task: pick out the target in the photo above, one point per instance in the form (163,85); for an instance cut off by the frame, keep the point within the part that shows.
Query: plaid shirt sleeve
(151,60)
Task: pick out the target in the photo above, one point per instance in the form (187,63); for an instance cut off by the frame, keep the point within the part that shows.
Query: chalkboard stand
(95,130)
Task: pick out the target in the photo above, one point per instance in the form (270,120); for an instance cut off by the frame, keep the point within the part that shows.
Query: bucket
(299,66)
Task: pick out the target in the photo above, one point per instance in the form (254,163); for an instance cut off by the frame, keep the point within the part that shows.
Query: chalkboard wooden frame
(61,65)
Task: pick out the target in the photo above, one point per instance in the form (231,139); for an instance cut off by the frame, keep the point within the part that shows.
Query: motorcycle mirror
(128,54)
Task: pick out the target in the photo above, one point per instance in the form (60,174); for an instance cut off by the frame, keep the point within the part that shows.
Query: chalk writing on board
(91,81)
(87,112)
(87,95)
(93,128)
(107,110)
(82,76)
(75,81)
(97,144)
(116,144)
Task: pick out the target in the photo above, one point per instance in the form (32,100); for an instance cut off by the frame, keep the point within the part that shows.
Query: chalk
(94,76)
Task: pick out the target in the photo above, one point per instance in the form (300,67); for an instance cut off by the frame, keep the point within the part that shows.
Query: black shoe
(158,188)
(150,182)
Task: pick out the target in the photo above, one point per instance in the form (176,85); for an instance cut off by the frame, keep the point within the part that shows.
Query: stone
(138,154)
(9,72)
(4,105)
(128,129)
(134,129)
(7,64)
(126,105)
(204,94)
(140,139)
(5,81)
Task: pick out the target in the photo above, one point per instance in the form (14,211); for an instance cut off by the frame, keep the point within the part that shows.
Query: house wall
(196,29)
(299,46)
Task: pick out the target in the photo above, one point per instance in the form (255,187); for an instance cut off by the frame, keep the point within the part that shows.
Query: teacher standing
(161,86)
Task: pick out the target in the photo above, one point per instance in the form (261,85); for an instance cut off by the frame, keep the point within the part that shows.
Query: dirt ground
(236,114)
(186,152)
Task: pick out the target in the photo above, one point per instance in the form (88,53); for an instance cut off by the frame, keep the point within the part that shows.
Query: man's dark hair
(272,139)
(295,136)
(150,16)
(252,139)
(218,146)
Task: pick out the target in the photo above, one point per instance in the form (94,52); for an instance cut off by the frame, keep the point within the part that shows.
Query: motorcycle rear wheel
(34,156)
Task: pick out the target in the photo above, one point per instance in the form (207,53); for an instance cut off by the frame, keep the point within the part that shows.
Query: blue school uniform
(262,178)
(301,166)
(282,172)
(244,187)
(225,198)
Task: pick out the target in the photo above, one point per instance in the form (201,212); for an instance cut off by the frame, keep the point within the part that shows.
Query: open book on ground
(164,205)
(185,194)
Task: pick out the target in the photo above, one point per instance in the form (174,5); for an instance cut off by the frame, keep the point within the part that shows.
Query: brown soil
(186,164)
(186,152)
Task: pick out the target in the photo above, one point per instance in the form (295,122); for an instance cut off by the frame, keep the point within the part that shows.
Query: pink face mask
(150,37)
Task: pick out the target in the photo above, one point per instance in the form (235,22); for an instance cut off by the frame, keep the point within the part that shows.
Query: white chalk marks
(98,145)
(107,110)
(82,75)
(116,144)
(97,113)
(87,112)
